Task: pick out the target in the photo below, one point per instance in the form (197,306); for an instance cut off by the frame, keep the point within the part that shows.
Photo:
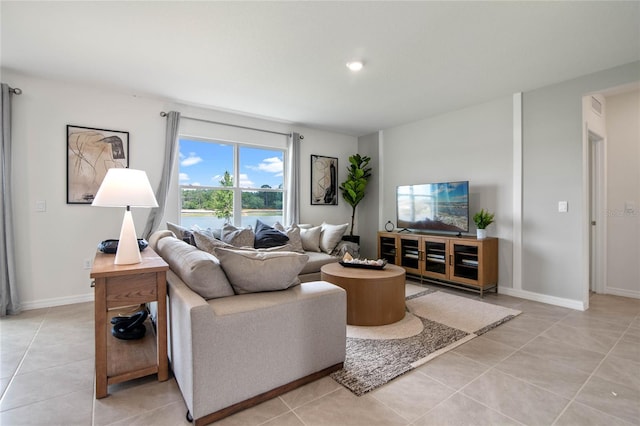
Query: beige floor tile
(565,354)
(453,370)
(39,357)
(627,348)
(530,323)
(256,415)
(343,408)
(549,375)
(460,410)
(611,398)
(173,414)
(578,414)
(515,398)
(510,336)
(591,339)
(128,399)
(9,362)
(620,370)
(309,392)
(287,419)
(412,395)
(591,323)
(48,383)
(70,409)
(484,350)
(544,311)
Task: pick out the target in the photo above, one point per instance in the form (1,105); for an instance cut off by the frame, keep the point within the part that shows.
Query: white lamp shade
(125,187)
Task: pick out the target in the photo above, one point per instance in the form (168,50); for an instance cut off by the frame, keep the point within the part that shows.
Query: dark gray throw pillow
(267,236)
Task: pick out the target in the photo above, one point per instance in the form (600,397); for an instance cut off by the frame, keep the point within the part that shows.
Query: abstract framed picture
(324,180)
(90,153)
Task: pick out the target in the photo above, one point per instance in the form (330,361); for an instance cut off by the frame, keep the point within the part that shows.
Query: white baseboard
(56,301)
(552,300)
(622,292)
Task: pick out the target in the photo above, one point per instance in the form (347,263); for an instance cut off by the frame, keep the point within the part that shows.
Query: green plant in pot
(353,189)
(483,219)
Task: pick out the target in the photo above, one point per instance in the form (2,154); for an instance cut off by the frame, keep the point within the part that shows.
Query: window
(227,182)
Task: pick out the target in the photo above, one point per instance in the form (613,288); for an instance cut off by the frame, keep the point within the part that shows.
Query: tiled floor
(549,365)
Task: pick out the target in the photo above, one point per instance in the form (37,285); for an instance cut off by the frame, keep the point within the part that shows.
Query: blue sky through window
(204,164)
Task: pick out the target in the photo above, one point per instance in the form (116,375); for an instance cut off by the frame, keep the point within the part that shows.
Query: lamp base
(128,251)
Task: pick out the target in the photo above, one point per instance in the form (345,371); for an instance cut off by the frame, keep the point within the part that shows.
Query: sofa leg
(189,417)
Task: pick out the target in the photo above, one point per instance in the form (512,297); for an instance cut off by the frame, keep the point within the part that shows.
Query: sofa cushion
(331,235)
(316,261)
(198,269)
(255,271)
(182,233)
(293,232)
(311,238)
(267,236)
(239,237)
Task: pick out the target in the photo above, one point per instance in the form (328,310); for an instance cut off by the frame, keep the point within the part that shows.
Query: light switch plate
(563,206)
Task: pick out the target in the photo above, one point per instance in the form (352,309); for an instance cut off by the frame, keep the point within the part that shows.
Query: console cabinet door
(436,257)
(410,254)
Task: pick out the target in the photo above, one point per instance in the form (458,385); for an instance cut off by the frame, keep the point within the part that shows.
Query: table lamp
(126,188)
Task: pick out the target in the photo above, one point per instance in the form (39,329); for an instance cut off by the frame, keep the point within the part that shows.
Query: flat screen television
(437,207)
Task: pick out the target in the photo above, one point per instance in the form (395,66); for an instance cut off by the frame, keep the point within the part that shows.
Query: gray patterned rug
(443,320)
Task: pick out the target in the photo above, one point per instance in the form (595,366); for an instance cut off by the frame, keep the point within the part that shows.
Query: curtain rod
(164,114)
(15,90)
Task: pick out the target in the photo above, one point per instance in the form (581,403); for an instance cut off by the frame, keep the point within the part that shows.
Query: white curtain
(171,138)
(8,293)
(292,206)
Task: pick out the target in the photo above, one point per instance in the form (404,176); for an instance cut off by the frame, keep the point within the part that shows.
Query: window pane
(207,208)
(204,163)
(263,205)
(261,168)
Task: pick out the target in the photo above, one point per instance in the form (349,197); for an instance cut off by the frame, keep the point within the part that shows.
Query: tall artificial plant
(353,189)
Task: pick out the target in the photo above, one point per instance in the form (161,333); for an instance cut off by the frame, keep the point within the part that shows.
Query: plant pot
(351,238)
(481,234)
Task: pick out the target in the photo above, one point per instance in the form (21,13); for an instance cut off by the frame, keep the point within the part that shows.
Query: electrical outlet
(87,264)
(563,206)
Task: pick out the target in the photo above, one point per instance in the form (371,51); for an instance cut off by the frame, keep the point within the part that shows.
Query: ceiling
(286,60)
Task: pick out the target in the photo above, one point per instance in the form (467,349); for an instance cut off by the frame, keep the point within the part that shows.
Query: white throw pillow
(254,271)
(239,237)
(293,232)
(208,243)
(331,236)
(311,238)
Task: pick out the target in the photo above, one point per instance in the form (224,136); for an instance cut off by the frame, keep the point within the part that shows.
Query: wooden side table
(117,286)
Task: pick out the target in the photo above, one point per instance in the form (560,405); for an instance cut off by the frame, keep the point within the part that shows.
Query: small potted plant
(483,219)
(353,189)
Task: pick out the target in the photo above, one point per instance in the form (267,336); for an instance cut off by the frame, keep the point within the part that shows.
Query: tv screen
(440,207)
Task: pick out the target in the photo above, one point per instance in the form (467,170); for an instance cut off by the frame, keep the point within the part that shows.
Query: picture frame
(324,180)
(90,153)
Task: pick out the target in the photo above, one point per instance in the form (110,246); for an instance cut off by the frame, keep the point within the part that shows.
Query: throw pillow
(199,270)
(253,271)
(182,233)
(207,242)
(239,237)
(267,237)
(331,236)
(311,238)
(293,232)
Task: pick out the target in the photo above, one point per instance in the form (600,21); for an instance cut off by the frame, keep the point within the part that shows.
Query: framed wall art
(324,180)
(90,153)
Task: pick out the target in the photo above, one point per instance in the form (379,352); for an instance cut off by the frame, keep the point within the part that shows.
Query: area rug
(435,323)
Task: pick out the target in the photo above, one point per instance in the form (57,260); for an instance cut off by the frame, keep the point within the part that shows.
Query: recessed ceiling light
(355,65)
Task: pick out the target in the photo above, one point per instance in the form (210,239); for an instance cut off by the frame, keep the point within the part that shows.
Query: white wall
(367,213)
(473,144)
(623,186)
(52,245)
(555,245)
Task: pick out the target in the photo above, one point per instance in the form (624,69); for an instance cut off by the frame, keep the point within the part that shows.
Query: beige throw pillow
(293,232)
(208,243)
(311,238)
(239,237)
(254,271)
(331,236)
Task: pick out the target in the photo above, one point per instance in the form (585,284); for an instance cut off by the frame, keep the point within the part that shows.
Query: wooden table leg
(100,306)
(161,327)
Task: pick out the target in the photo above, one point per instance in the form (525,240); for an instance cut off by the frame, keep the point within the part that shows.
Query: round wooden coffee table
(374,296)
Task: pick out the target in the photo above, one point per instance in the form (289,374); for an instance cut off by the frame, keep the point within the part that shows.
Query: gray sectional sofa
(231,351)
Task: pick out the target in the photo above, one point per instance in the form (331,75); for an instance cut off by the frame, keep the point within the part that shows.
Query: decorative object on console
(324,180)
(389,226)
(353,189)
(90,153)
(483,219)
(126,188)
